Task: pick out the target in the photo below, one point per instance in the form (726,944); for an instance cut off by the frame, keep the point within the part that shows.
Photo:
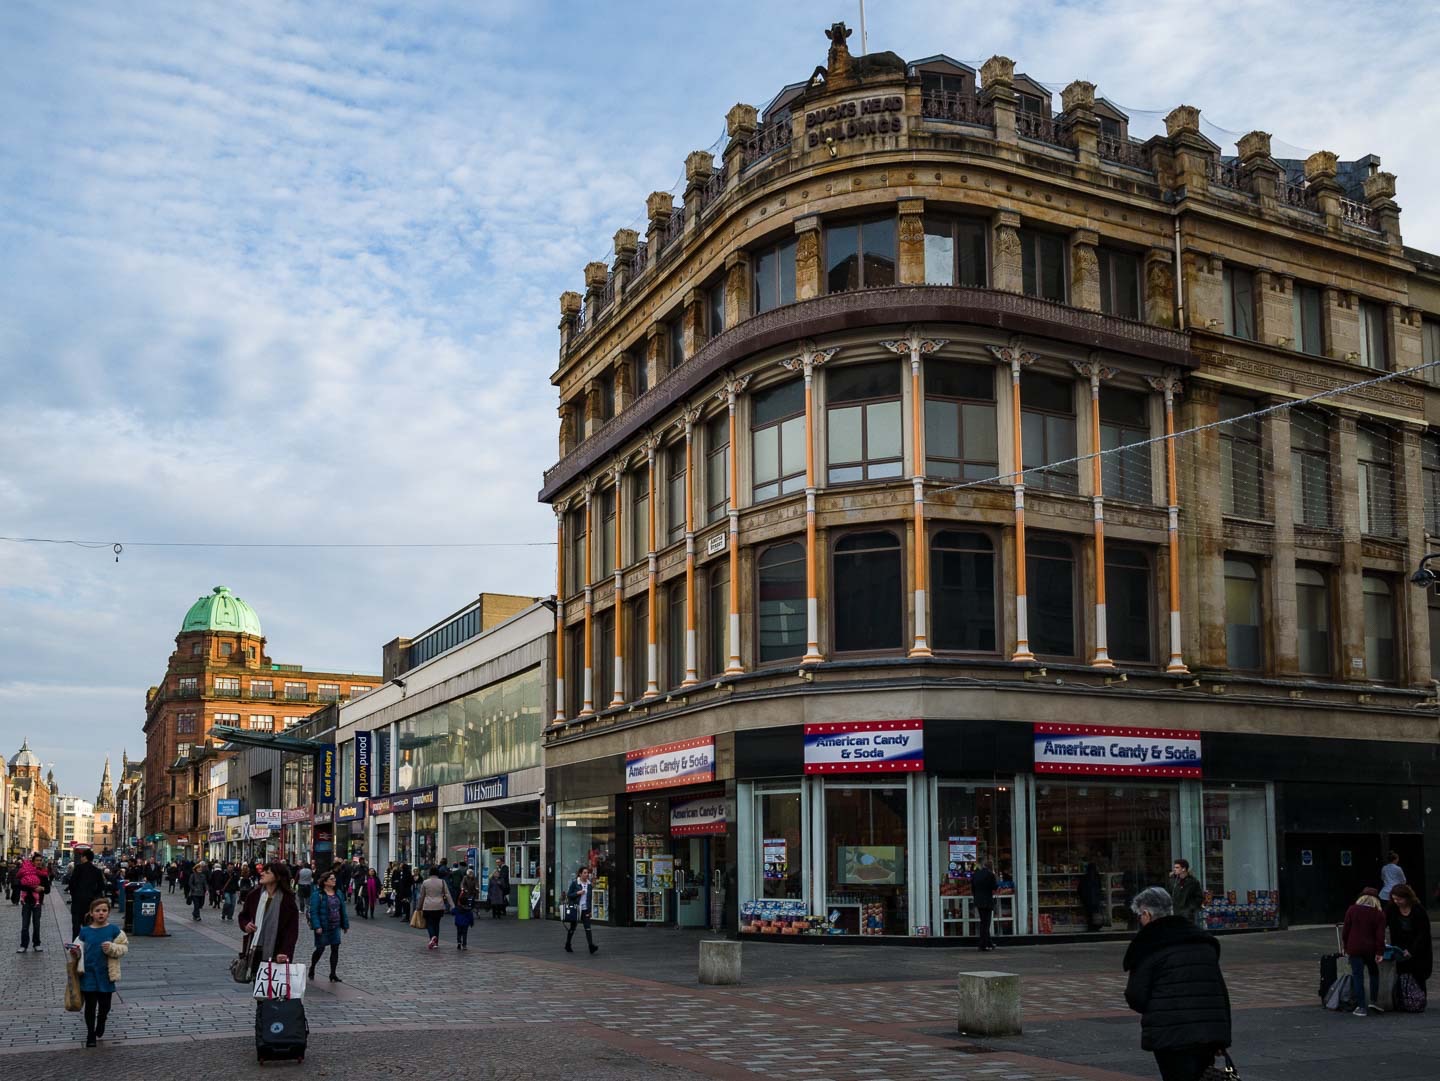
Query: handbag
(274,980)
(570,913)
(74,1000)
(417,919)
(1409,995)
(240,967)
(1215,1072)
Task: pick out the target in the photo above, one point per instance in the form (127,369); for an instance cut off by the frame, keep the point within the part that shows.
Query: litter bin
(130,891)
(522,900)
(146,904)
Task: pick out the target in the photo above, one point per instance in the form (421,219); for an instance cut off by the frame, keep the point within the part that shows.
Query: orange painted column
(618,698)
(1093,371)
(734,385)
(1170,385)
(652,658)
(806,363)
(1016,358)
(587,705)
(559,717)
(915,345)
(692,674)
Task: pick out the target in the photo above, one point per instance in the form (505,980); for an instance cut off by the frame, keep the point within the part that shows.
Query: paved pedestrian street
(516,1006)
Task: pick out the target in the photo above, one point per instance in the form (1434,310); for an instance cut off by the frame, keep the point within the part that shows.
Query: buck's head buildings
(821,644)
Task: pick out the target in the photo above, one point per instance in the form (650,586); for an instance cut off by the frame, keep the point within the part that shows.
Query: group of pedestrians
(1392,911)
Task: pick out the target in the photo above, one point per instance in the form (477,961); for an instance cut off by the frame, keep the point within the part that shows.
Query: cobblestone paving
(633,1010)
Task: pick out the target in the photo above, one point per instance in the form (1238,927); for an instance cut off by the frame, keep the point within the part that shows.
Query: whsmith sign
(1117,752)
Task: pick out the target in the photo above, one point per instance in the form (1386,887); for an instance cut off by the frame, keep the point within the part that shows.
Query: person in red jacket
(1363,939)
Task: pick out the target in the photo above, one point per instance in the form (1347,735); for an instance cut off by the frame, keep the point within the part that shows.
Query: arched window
(962,591)
(867,587)
(780,607)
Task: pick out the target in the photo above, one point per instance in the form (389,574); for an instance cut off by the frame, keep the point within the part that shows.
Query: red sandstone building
(219,674)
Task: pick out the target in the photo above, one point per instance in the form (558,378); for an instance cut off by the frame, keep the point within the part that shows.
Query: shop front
(350,830)
(877,828)
(491,819)
(407,827)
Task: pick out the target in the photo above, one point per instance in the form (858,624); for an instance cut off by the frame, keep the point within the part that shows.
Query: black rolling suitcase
(281,1031)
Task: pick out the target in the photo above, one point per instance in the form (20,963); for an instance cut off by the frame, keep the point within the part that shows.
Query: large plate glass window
(1310,469)
(1050,578)
(868,592)
(1312,620)
(1124,421)
(955,251)
(775,277)
(960,437)
(1119,283)
(860,255)
(780,607)
(1381,648)
(867,843)
(975,825)
(1239,857)
(777,437)
(863,422)
(1244,650)
(962,591)
(1241,485)
(1047,428)
(1129,631)
(780,835)
(1042,260)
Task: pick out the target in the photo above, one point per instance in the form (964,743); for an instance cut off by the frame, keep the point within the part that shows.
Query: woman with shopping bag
(95,955)
(270,919)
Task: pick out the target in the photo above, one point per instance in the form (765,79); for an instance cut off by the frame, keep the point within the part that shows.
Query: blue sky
(288,272)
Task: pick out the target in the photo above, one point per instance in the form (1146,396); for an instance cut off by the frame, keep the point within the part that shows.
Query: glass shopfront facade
(491,731)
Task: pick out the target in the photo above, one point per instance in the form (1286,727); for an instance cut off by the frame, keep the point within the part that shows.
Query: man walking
(982,894)
(34,883)
(1391,876)
(1185,892)
(86,884)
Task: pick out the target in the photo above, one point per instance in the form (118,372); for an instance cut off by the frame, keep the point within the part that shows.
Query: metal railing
(766,139)
(956,107)
(713,188)
(1289,193)
(1226,174)
(668,236)
(642,259)
(1359,215)
(1123,152)
(1041,128)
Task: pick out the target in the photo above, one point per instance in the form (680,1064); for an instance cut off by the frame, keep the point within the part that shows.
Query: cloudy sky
(288,273)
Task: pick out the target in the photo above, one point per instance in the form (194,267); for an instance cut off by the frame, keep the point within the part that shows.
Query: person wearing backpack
(1362,938)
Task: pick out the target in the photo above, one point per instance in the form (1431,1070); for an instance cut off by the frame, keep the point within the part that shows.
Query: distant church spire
(106,800)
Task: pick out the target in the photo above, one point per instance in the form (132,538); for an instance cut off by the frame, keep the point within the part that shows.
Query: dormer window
(1029,103)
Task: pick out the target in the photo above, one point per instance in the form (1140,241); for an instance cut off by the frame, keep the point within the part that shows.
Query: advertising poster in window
(964,855)
(1117,752)
(776,858)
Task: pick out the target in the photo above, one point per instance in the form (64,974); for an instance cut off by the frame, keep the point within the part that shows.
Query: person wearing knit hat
(1363,940)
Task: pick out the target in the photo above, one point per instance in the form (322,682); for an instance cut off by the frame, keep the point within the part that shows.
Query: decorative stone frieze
(1006,268)
(807,258)
(912,242)
(1084,270)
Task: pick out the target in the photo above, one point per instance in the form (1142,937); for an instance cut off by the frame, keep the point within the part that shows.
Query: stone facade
(1100,255)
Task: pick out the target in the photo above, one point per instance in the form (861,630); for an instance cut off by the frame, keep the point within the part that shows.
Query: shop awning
(278,741)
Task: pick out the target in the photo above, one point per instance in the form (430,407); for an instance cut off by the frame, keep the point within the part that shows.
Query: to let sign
(1092,750)
(865,747)
(690,761)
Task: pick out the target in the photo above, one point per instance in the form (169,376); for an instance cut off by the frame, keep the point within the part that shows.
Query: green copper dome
(222,611)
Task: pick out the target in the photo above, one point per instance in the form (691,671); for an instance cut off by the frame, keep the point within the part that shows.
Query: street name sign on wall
(865,747)
(1091,750)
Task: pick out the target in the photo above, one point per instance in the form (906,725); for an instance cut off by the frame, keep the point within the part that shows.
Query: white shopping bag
(274,980)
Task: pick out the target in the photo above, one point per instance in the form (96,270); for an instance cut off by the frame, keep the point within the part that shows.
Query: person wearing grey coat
(195,889)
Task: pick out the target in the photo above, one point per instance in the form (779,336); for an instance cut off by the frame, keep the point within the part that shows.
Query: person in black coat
(1176,986)
(1409,927)
(982,892)
(86,884)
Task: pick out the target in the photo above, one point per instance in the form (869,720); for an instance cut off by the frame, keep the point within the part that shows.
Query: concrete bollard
(719,962)
(989,1003)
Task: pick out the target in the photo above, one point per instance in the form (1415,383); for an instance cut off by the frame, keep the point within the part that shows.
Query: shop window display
(781,834)
(974,825)
(584,837)
(462,833)
(866,829)
(653,866)
(1130,833)
(1239,890)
